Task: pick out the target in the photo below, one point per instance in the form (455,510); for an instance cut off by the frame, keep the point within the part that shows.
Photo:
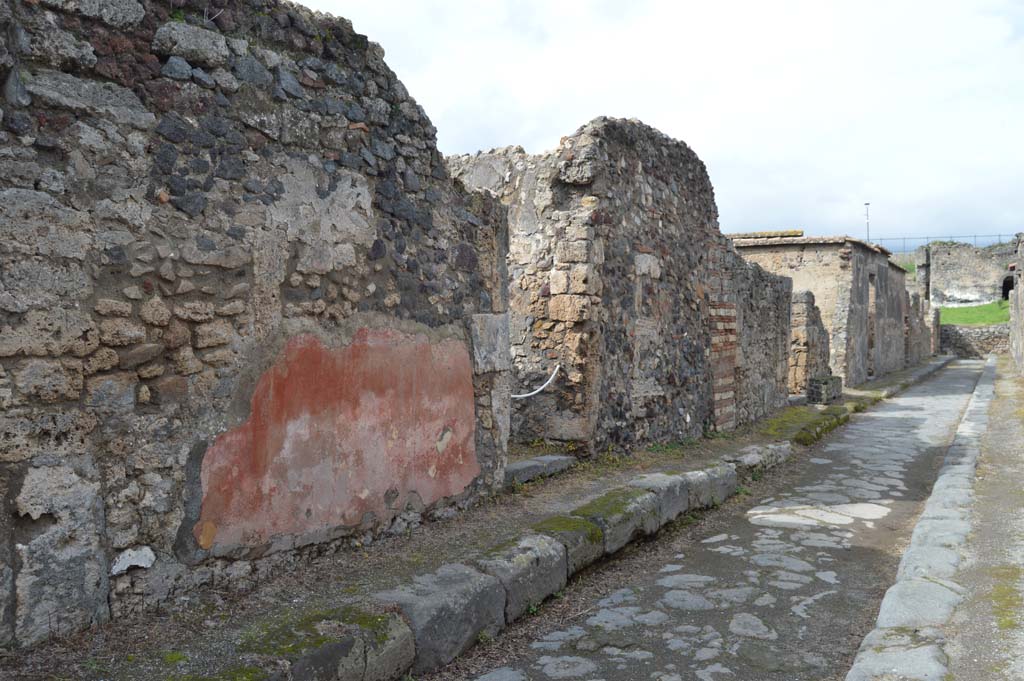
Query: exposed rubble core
(619,274)
(809,351)
(243,308)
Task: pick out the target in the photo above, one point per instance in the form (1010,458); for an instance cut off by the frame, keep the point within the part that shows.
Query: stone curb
(444,613)
(907,640)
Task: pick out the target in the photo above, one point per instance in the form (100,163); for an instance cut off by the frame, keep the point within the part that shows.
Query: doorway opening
(1007,286)
(872,314)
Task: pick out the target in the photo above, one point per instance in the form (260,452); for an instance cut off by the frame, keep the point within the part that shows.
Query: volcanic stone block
(582,539)
(622,514)
(672,491)
(530,570)
(519,472)
(447,611)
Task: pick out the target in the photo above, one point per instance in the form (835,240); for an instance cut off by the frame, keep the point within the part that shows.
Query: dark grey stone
(177,69)
(191,204)
(15,93)
(203,79)
(447,610)
(291,86)
(249,70)
(530,571)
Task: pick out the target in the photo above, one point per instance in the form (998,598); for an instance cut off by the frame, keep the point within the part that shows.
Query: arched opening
(1007,286)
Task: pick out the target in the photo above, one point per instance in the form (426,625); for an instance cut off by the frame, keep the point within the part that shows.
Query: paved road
(784,589)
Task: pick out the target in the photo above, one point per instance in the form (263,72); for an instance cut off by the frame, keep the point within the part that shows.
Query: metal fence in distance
(908,244)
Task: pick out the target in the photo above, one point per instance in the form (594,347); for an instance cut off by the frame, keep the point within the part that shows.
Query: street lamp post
(867,219)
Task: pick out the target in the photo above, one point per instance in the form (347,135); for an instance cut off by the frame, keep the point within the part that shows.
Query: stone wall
(1017,309)
(860,293)
(917,333)
(962,274)
(245,315)
(619,274)
(975,341)
(808,344)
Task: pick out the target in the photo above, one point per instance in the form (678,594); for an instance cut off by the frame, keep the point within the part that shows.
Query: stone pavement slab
(781,590)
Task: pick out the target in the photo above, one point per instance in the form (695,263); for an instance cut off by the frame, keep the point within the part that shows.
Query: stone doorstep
(519,472)
(908,635)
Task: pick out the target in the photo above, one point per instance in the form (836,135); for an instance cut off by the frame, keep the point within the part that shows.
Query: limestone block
(119,332)
(62,583)
(193,44)
(50,332)
(213,334)
(672,491)
(447,610)
(530,571)
(569,308)
(558,282)
(572,251)
(390,650)
(62,90)
(49,380)
(622,514)
(917,603)
(489,333)
(582,539)
(117,13)
(723,483)
(699,485)
(155,312)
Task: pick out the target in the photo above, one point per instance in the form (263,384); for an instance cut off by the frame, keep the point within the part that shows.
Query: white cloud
(801,110)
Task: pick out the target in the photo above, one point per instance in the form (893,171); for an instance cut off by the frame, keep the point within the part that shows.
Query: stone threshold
(908,638)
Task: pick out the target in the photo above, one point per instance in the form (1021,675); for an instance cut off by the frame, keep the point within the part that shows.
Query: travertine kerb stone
(672,491)
(583,540)
(447,610)
(530,570)
(622,514)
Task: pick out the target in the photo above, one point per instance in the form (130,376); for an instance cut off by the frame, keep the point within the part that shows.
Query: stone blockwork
(961,274)
(975,341)
(917,329)
(861,295)
(808,344)
(618,273)
(245,315)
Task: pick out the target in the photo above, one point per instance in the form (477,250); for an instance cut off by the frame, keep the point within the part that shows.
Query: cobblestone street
(786,587)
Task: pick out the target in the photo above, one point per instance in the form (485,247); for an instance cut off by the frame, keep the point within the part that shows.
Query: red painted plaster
(332,431)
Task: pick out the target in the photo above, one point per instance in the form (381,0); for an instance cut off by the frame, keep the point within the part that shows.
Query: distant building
(861,294)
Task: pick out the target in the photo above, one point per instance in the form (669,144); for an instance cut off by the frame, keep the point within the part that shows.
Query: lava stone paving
(785,589)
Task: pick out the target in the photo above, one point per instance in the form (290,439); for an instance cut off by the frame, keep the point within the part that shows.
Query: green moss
(289,634)
(1007,602)
(376,624)
(233,674)
(173,657)
(566,524)
(610,504)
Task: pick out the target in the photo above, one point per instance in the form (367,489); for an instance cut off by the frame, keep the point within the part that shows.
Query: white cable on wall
(538,390)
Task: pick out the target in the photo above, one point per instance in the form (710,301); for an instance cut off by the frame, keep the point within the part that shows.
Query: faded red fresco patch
(336,433)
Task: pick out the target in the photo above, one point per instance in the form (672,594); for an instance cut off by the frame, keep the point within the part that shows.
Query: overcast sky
(802,111)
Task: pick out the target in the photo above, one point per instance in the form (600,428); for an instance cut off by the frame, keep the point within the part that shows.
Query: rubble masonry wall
(245,315)
(618,273)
